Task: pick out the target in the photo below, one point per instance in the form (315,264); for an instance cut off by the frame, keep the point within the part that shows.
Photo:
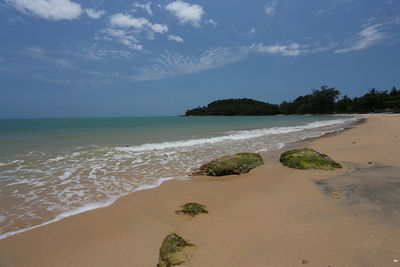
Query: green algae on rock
(172,251)
(232,164)
(192,209)
(305,158)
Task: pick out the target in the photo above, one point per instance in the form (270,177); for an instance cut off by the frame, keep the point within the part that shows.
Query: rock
(233,164)
(306,158)
(192,209)
(172,251)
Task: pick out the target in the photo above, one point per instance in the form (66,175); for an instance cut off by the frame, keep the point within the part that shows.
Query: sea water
(53,168)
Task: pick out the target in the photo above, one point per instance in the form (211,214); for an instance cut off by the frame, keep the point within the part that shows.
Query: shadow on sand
(374,189)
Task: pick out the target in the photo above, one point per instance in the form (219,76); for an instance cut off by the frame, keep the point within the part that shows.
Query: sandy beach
(272,216)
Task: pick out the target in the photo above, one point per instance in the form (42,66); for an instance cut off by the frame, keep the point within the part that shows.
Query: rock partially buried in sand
(306,158)
(172,251)
(233,164)
(192,209)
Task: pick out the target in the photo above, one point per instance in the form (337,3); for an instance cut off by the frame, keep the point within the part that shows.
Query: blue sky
(69,58)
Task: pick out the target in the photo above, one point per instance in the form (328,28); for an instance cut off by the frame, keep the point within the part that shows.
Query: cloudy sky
(68,58)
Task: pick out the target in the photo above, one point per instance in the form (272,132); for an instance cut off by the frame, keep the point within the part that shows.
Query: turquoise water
(53,134)
(53,168)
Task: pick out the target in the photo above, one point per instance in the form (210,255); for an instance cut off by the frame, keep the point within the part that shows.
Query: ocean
(54,168)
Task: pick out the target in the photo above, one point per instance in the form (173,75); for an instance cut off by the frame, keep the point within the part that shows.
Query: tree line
(321,101)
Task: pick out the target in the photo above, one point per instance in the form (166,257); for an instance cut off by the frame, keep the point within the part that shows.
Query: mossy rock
(172,251)
(192,209)
(306,158)
(233,164)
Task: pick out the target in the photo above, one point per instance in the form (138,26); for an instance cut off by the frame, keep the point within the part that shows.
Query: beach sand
(272,216)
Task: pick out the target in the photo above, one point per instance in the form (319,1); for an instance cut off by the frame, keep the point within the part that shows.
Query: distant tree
(372,101)
(323,100)
(320,101)
(394,92)
(235,107)
(345,105)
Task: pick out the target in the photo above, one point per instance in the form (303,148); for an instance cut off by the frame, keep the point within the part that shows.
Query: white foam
(58,158)
(12,162)
(239,135)
(88,207)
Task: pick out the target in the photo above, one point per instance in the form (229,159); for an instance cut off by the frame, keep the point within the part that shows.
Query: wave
(234,136)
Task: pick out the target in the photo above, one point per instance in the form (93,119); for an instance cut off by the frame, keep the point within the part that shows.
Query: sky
(97,58)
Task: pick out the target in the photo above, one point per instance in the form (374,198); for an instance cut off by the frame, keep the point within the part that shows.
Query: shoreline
(93,206)
(131,230)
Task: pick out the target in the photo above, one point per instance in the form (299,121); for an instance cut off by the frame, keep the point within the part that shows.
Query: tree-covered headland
(321,101)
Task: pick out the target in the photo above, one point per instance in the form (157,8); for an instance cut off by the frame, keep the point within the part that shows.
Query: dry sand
(272,216)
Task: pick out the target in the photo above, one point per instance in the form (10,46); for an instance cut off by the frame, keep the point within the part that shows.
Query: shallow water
(53,168)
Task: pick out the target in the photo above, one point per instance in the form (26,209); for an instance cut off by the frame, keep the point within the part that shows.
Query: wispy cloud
(212,22)
(370,35)
(122,36)
(291,50)
(172,64)
(186,13)
(270,8)
(146,7)
(94,13)
(34,51)
(95,52)
(49,9)
(175,38)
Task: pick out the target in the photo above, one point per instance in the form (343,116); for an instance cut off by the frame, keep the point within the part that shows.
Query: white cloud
(252,31)
(212,22)
(35,51)
(123,20)
(186,13)
(49,9)
(270,8)
(127,21)
(366,37)
(175,38)
(292,49)
(94,14)
(126,29)
(146,7)
(122,36)
(159,28)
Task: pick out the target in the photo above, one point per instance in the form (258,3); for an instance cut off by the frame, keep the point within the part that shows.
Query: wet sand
(272,216)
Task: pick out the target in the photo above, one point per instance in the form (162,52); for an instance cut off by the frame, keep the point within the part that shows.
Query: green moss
(192,209)
(306,158)
(233,164)
(172,251)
